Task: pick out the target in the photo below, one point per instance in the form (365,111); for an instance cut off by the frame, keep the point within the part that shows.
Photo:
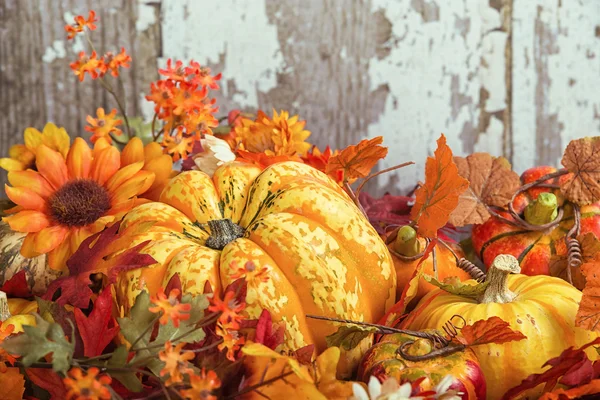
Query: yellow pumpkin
(543,308)
(37,272)
(320,253)
(17,312)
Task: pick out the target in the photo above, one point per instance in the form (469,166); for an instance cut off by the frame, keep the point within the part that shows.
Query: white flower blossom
(392,390)
(215,152)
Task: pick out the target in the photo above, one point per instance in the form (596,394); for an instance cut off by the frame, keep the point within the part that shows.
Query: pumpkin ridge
(528,249)
(498,237)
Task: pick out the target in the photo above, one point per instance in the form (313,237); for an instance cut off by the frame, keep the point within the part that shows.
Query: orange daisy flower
(200,75)
(202,386)
(176,362)
(154,160)
(178,146)
(171,308)
(113,62)
(232,341)
(229,308)
(91,65)
(87,386)
(22,156)
(104,125)
(250,273)
(280,135)
(66,201)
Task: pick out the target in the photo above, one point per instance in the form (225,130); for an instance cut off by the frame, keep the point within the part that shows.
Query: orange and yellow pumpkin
(543,308)
(291,231)
(533,249)
(383,361)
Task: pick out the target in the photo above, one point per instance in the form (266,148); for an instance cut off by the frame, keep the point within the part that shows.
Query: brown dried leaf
(492,182)
(582,160)
(590,246)
(588,314)
(491,330)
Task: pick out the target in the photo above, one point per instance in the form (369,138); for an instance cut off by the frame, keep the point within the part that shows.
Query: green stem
(542,210)
(148,328)
(407,242)
(119,105)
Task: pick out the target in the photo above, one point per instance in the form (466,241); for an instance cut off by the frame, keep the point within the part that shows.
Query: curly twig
(574,251)
(450,347)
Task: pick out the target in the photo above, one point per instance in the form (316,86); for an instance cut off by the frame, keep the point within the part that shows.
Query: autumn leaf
(438,196)
(356,161)
(569,361)
(100,253)
(492,182)
(582,159)
(395,313)
(588,314)
(48,380)
(17,286)
(385,211)
(99,328)
(304,355)
(590,246)
(349,336)
(453,285)
(53,312)
(264,331)
(491,330)
(593,387)
(12,383)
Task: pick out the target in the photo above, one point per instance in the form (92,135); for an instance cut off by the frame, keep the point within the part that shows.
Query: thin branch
(383,171)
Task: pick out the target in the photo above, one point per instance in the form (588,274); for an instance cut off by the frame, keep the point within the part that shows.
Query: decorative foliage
(588,314)
(99,328)
(491,330)
(356,161)
(582,161)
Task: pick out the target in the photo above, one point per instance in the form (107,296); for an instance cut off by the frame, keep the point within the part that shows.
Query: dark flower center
(79,203)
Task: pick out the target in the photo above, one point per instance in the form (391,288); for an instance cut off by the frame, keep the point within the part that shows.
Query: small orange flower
(92,65)
(175,73)
(280,135)
(5,357)
(202,386)
(200,122)
(199,75)
(87,386)
(176,362)
(178,146)
(104,125)
(229,308)
(170,307)
(80,24)
(232,341)
(320,160)
(112,62)
(187,99)
(250,273)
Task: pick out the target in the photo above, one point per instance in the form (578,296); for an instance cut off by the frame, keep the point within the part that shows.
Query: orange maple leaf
(13,384)
(356,161)
(438,196)
(588,314)
(593,387)
(491,330)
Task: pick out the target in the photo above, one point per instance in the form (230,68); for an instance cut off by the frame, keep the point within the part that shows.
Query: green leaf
(128,379)
(135,327)
(453,285)
(170,332)
(349,336)
(39,341)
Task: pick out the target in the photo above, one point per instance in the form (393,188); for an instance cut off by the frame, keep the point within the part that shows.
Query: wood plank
(556,78)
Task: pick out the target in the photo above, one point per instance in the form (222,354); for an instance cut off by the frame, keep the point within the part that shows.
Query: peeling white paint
(493,69)
(146,15)
(244,38)
(56,50)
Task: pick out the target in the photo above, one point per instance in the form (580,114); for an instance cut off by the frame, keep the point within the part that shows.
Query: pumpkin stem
(497,290)
(222,231)
(542,210)
(407,243)
(4,310)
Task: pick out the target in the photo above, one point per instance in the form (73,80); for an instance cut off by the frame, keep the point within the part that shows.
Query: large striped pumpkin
(533,249)
(543,308)
(322,255)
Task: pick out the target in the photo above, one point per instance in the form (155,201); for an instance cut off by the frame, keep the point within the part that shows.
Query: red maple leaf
(99,328)
(48,380)
(264,331)
(98,254)
(17,286)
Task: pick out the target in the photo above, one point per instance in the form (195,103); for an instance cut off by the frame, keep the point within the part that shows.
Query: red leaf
(240,288)
(564,365)
(264,331)
(304,355)
(96,254)
(17,286)
(175,283)
(491,330)
(49,381)
(99,329)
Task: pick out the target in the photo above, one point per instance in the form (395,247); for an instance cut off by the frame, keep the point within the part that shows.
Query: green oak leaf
(128,379)
(453,285)
(39,341)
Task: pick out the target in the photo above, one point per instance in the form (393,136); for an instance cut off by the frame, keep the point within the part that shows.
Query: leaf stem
(383,171)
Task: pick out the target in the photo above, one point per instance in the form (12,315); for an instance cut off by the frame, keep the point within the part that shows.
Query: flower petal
(26,198)
(21,153)
(162,167)
(33,138)
(31,180)
(27,221)
(101,144)
(57,258)
(56,138)
(50,238)
(133,152)
(10,164)
(106,162)
(134,186)
(51,164)
(79,160)
(153,150)
(28,246)
(123,175)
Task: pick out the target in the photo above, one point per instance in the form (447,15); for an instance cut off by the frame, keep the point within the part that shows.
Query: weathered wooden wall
(518,78)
